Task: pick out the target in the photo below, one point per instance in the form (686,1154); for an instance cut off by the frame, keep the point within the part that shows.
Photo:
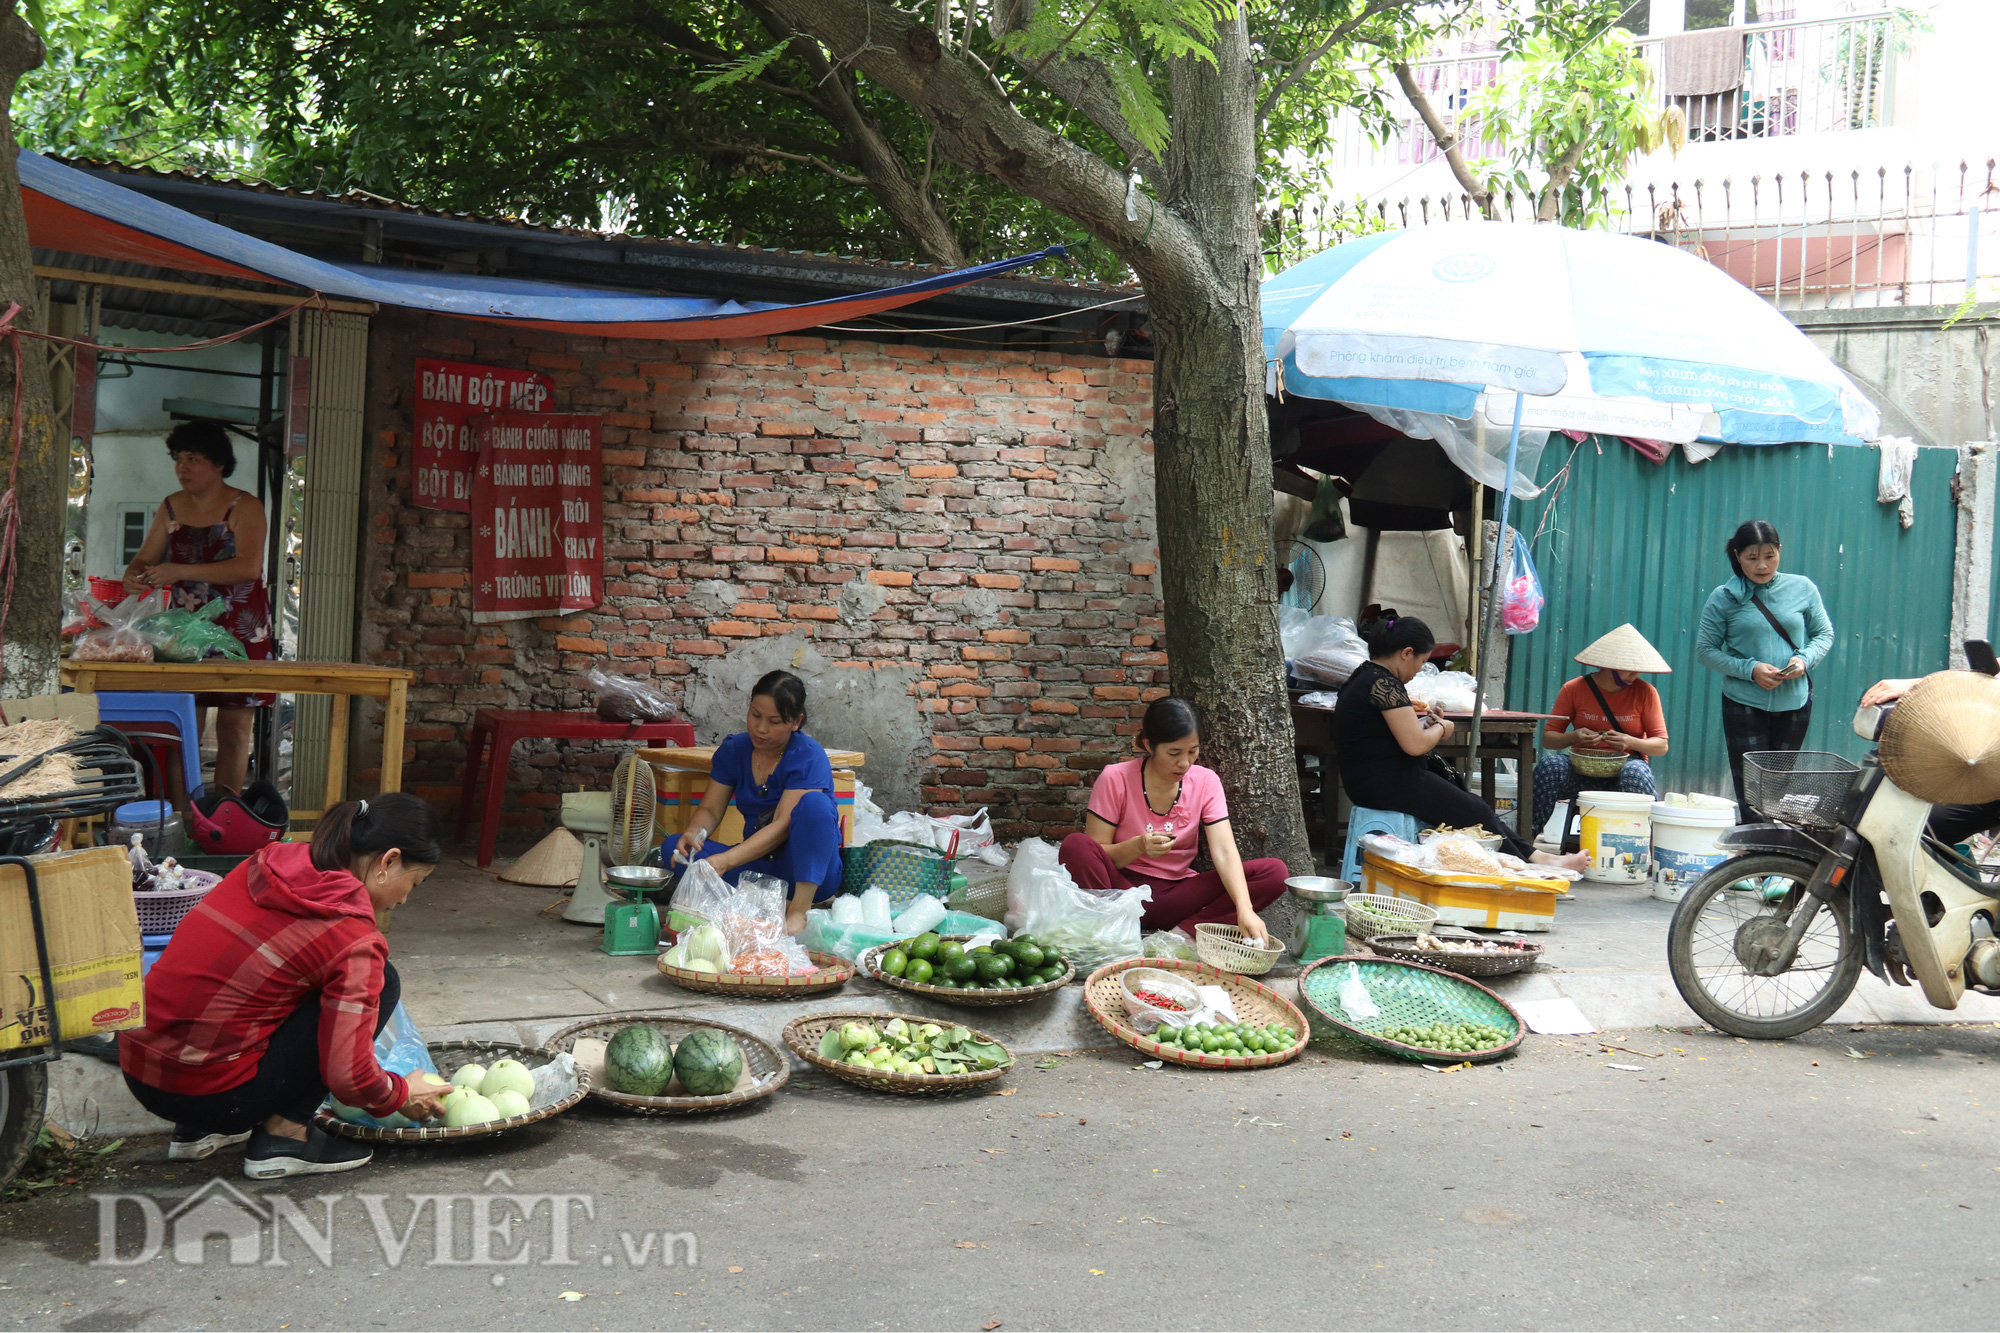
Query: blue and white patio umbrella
(1442,331)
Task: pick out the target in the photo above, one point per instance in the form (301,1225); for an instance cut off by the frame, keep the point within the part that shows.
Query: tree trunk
(34,624)
(1212,457)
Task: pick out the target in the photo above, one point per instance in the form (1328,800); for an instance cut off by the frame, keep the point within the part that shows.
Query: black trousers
(1433,801)
(1746,730)
(288,1081)
(1951,824)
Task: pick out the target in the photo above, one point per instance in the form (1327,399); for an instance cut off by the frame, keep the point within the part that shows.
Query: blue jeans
(1556,780)
(810,853)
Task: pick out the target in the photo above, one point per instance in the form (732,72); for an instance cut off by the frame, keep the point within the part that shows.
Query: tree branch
(1447,141)
(1299,68)
(1082,82)
(1550,205)
(753,151)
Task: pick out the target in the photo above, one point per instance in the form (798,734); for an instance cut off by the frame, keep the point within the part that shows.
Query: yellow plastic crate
(1503,905)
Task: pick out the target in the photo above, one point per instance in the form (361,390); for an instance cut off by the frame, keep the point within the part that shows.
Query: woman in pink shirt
(1141,828)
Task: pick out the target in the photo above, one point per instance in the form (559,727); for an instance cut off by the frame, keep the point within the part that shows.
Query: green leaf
(750,67)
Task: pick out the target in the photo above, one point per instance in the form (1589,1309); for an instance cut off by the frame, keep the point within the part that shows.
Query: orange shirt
(1637,707)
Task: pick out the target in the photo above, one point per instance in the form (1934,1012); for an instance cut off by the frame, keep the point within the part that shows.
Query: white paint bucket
(1506,792)
(1684,845)
(1617,836)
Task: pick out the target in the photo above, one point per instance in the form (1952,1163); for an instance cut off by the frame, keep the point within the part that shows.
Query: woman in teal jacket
(1763,631)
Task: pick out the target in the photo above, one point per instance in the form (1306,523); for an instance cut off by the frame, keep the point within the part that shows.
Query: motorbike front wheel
(1734,913)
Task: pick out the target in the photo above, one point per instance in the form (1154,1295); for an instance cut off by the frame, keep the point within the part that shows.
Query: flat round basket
(833,973)
(802,1035)
(1408,993)
(1254,1002)
(871,966)
(1518,956)
(1371,914)
(450,1057)
(765,1068)
(1591,763)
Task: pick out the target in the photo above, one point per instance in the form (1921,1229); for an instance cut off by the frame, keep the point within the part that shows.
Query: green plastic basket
(1408,993)
(904,869)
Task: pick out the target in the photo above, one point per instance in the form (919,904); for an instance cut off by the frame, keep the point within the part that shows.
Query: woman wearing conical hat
(1609,708)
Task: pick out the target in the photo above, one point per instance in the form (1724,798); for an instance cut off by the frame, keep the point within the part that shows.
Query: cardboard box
(679,792)
(93,934)
(1501,905)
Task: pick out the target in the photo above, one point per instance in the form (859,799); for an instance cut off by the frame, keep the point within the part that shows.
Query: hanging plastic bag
(1521,607)
(623,699)
(1089,929)
(121,639)
(702,895)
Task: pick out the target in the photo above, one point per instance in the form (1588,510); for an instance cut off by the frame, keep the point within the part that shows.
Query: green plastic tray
(1408,993)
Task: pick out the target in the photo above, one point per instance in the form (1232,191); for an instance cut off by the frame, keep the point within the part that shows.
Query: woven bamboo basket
(871,967)
(802,1035)
(765,1067)
(1254,1002)
(450,1057)
(1519,957)
(1371,914)
(1226,947)
(834,972)
(1593,763)
(1408,993)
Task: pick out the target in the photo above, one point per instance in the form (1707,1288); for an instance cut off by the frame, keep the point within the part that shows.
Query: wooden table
(1503,735)
(342,680)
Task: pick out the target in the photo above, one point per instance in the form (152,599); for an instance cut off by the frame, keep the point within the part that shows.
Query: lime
(948,950)
(945,983)
(894,962)
(919,971)
(1029,955)
(925,946)
(992,967)
(962,968)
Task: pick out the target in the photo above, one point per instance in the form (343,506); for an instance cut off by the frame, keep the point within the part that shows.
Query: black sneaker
(271,1156)
(191,1145)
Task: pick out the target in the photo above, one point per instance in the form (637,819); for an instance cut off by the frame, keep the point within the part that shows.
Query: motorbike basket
(1807,787)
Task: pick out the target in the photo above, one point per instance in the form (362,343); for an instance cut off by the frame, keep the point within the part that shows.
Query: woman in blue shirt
(1763,631)
(783,786)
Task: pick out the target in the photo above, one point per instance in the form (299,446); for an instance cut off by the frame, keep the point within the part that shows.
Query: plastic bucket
(1506,794)
(1617,835)
(1684,845)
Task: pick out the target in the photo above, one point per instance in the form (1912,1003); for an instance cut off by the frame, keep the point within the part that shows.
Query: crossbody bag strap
(1605,704)
(1790,642)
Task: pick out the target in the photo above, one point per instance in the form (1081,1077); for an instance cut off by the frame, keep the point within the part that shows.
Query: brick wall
(973,526)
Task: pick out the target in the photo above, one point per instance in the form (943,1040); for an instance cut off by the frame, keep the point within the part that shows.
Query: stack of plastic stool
(153,711)
(1361,821)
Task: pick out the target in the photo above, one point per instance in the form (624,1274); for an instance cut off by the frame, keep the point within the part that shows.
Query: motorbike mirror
(1979,655)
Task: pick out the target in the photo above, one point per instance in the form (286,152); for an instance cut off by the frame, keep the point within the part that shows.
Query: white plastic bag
(923,914)
(1089,929)
(846,909)
(1329,651)
(954,835)
(875,910)
(1354,996)
(1443,691)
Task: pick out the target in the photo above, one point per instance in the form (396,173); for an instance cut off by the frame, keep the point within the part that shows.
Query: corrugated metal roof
(1639,541)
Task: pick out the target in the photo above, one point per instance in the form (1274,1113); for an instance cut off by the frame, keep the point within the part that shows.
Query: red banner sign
(537,515)
(449,395)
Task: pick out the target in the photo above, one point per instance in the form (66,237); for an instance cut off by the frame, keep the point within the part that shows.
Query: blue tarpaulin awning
(75,212)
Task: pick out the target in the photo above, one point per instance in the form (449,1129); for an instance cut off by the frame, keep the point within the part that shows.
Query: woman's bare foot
(1574,861)
(285,1129)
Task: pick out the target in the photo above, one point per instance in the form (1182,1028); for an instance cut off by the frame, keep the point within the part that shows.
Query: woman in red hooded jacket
(272,991)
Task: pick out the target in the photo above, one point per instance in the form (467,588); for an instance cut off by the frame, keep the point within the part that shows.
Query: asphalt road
(1717,1184)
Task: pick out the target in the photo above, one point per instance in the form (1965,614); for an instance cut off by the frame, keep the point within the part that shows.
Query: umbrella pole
(1491,610)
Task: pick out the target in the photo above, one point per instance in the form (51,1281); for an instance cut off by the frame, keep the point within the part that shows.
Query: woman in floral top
(207,541)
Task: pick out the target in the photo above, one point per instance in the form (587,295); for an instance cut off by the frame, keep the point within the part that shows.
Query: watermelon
(639,1060)
(708,1062)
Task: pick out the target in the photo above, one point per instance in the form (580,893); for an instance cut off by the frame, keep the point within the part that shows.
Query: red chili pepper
(1160,1001)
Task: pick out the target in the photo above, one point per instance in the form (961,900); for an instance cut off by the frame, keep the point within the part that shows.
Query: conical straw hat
(1942,744)
(556,861)
(1624,649)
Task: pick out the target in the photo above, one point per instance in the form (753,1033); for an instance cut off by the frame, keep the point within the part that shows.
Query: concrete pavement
(480,958)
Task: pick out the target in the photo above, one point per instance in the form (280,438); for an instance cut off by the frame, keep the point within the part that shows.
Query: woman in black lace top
(1385,744)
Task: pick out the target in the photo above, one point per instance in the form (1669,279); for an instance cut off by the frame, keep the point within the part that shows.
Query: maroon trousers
(1185,903)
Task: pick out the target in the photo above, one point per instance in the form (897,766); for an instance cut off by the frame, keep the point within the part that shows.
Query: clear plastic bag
(954,835)
(1443,691)
(1175,943)
(121,639)
(702,894)
(1089,929)
(1329,650)
(623,699)
(753,922)
(192,636)
(1521,606)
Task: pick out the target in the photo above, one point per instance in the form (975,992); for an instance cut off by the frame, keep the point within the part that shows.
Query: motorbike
(1842,873)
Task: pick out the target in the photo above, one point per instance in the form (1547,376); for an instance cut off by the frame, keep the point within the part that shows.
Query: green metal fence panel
(1634,540)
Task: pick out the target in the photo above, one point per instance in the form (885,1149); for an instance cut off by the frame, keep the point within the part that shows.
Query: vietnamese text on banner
(537,515)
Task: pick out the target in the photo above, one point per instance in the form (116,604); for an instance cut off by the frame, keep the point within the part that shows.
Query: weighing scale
(632,926)
(1322,931)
